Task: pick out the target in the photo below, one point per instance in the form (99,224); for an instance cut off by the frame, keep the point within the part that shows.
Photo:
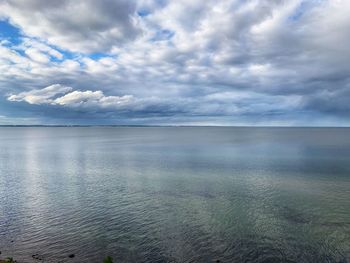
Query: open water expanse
(175,194)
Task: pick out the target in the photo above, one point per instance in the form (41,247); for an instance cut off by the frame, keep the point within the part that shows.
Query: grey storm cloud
(82,26)
(228,62)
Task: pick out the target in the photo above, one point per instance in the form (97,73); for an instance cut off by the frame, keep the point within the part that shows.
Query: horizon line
(160,126)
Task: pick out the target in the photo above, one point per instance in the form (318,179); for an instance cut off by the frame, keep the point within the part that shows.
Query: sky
(183,62)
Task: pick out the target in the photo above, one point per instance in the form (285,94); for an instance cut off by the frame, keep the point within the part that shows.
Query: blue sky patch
(9,32)
(163,34)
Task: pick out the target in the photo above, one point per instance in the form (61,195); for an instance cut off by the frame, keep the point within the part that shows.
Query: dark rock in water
(71,256)
(37,257)
(218,261)
(108,260)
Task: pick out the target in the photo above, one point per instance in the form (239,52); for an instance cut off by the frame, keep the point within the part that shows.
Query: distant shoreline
(165,126)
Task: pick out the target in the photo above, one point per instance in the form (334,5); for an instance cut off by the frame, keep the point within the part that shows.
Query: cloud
(40,96)
(65,96)
(37,56)
(334,101)
(37,46)
(81,26)
(229,61)
(218,104)
(93,99)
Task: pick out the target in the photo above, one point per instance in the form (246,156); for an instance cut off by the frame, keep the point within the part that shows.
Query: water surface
(175,194)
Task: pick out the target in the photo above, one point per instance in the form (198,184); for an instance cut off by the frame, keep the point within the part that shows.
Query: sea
(175,194)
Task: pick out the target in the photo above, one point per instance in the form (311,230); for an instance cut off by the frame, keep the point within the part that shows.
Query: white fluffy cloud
(65,96)
(40,96)
(94,99)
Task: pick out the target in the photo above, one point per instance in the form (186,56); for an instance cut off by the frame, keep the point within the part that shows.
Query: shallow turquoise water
(175,194)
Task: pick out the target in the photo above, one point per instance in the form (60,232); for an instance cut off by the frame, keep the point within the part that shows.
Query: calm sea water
(175,194)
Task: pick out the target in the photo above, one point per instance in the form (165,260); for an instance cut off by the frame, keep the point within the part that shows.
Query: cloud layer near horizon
(175,62)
